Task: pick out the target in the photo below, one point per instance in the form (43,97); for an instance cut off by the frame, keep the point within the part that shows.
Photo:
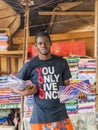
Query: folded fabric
(71,91)
(3,37)
(14,82)
(3,119)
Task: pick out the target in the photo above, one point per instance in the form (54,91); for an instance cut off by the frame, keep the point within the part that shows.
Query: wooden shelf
(10,61)
(16,52)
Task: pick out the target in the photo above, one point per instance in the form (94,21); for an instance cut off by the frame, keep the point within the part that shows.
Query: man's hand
(82,95)
(32,89)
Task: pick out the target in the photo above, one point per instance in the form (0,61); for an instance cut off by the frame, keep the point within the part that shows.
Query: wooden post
(96,49)
(26,32)
(26,36)
(26,3)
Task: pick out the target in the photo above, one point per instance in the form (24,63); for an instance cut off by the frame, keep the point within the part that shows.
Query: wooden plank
(57,37)
(16,65)
(96,49)
(12,64)
(8,65)
(26,33)
(7,30)
(11,52)
(20,63)
(9,61)
(89,43)
(67,5)
(3,65)
(69,36)
(66,13)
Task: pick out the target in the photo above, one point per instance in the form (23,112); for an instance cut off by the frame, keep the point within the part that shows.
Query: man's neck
(45,57)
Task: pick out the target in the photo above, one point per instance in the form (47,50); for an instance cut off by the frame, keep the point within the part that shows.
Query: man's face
(43,45)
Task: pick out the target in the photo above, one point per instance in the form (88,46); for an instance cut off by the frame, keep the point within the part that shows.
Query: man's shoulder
(32,61)
(58,58)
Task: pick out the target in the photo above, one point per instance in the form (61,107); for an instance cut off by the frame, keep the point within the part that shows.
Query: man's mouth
(43,49)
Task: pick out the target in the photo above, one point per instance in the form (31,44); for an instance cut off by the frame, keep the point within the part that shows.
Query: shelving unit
(10,61)
(8,101)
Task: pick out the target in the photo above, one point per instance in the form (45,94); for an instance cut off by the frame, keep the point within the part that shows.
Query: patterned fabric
(61,125)
(71,91)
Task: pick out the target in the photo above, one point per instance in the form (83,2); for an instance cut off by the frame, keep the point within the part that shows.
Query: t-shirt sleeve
(23,73)
(66,72)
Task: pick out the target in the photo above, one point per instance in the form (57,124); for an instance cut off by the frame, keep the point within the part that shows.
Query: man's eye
(39,43)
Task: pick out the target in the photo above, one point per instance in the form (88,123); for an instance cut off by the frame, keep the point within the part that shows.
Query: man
(47,72)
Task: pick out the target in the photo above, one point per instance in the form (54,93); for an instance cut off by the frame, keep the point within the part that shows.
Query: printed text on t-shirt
(47,83)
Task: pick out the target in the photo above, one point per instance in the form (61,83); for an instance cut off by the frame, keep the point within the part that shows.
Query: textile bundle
(3,41)
(71,91)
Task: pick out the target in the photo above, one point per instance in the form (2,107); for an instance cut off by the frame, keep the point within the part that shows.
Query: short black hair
(42,33)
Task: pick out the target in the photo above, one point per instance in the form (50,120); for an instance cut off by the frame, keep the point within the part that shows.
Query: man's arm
(28,91)
(66,82)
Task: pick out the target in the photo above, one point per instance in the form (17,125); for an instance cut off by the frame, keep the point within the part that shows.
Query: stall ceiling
(55,24)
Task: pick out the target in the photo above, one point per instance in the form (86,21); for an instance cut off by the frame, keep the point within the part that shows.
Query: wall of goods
(10,103)
(10,59)
(81,67)
(82,113)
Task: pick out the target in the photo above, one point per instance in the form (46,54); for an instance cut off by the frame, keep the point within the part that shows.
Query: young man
(47,72)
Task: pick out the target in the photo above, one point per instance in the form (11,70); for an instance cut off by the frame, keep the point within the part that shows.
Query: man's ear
(50,43)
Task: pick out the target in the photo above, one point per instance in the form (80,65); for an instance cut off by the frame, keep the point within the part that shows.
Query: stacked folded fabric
(3,41)
(4,95)
(71,91)
(83,69)
(28,106)
(73,65)
(14,98)
(9,105)
(87,70)
(9,99)
(13,82)
(72,106)
(87,105)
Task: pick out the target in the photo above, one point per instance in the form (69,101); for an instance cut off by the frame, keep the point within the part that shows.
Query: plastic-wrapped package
(13,82)
(71,91)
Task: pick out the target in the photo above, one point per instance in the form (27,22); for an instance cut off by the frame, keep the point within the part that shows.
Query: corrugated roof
(59,24)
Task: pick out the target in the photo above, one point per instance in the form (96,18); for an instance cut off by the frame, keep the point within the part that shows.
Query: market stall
(82,42)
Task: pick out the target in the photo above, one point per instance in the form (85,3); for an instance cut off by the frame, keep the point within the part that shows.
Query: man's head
(43,43)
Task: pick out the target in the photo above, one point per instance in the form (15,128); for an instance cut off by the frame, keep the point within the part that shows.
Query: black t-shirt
(48,75)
